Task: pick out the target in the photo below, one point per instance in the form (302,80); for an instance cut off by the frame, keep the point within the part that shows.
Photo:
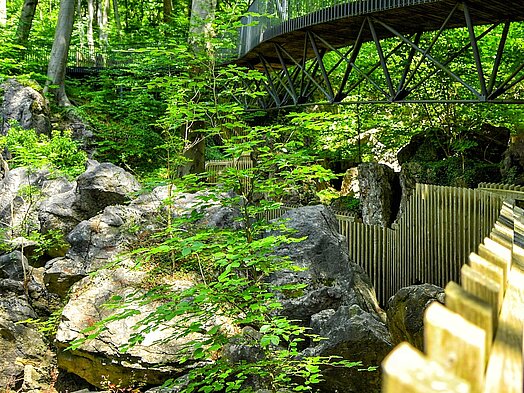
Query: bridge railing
(85,57)
(475,343)
(268,19)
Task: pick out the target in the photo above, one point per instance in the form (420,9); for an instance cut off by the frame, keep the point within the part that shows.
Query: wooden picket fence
(474,344)
(215,167)
(428,244)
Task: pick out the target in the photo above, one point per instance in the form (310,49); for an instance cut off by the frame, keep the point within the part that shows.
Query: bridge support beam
(383,64)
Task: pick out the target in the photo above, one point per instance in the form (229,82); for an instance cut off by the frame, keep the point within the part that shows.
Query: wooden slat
(472,309)
(488,269)
(455,343)
(505,366)
(482,287)
(407,370)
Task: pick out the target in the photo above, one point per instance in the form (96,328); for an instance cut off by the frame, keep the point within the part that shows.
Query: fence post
(458,345)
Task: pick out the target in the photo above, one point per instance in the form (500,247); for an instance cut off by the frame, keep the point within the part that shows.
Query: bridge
(380,51)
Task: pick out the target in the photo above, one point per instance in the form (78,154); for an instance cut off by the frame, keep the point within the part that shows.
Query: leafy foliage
(58,153)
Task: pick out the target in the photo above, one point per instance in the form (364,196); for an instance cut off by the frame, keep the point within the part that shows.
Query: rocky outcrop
(152,360)
(354,335)
(24,106)
(20,193)
(405,312)
(512,167)
(26,361)
(379,194)
(338,301)
(103,185)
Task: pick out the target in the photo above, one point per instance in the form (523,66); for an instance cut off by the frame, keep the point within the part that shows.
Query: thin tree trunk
(117,17)
(58,60)
(90,36)
(3,12)
(200,33)
(168,10)
(103,21)
(200,25)
(26,21)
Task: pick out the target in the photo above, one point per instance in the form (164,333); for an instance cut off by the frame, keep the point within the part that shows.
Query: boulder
(379,194)
(354,335)
(25,106)
(20,192)
(152,361)
(26,360)
(94,243)
(103,185)
(14,266)
(490,143)
(350,183)
(512,168)
(331,279)
(338,301)
(57,213)
(423,147)
(405,312)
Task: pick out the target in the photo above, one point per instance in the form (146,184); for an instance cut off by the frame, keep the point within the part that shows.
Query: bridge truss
(465,59)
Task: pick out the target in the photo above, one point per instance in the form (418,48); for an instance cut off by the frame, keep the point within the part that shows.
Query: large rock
(103,185)
(152,361)
(355,335)
(405,312)
(26,360)
(379,193)
(14,266)
(94,243)
(25,106)
(57,212)
(20,193)
(338,301)
(331,279)
(512,167)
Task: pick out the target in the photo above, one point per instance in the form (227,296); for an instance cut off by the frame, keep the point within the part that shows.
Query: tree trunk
(117,17)
(3,13)
(103,21)
(200,33)
(90,36)
(58,60)
(168,10)
(200,25)
(26,21)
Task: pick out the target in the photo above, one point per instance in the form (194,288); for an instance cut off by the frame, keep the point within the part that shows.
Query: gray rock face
(332,280)
(379,194)
(13,266)
(26,361)
(56,212)
(338,302)
(355,335)
(25,106)
(512,168)
(405,312)
(103,185)
(152,361)
(94,244)
(20,192)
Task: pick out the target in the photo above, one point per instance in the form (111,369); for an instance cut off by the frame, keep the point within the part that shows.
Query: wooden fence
(430,242)
(215,167)
(440,227)
(475,343)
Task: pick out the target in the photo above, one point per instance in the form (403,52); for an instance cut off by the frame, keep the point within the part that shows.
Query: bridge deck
(339,24)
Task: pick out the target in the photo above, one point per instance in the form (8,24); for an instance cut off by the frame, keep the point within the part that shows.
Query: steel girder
(406,68)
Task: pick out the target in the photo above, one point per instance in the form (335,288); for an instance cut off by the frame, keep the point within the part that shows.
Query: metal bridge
(380,51)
